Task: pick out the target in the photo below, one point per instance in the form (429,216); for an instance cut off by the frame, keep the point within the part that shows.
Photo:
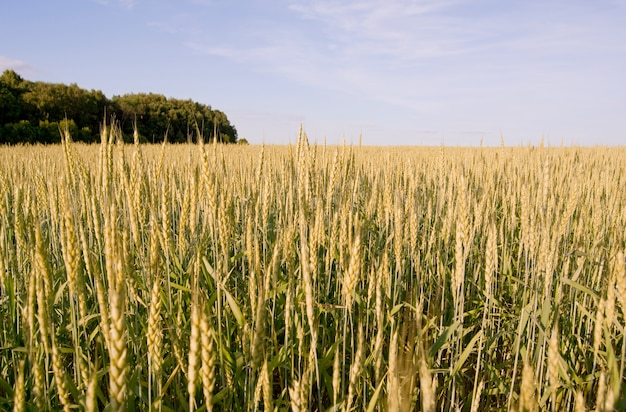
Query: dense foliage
(33,112)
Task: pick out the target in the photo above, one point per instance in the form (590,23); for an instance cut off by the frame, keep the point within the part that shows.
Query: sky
(386,72)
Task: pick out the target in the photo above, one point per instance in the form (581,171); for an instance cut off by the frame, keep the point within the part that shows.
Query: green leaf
(442,339)
(180,287)
(232,303)
(580,287)
(396,309)
(6,386)
(468,349)
(371,407)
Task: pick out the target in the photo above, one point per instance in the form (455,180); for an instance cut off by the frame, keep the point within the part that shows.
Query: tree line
(35,112)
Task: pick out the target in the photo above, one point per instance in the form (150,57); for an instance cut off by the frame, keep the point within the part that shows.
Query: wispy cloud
(412,31)
(352,47)
(177,24)
(414,54)
(7,63)
(402,30)
(127,4)
(203,2)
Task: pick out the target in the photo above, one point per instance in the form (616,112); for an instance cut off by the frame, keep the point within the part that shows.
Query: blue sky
(399,72)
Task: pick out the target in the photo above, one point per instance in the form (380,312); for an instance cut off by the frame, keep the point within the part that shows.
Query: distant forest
(35,112)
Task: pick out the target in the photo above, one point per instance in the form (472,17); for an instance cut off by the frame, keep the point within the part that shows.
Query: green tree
(157,116)
(39,109)
(12,107)
(56,102)
(12,79)
(9,104)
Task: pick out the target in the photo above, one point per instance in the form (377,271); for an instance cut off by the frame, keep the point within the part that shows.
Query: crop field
(311,277)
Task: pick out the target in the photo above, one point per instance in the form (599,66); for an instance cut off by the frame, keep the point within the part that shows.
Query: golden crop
(311,277)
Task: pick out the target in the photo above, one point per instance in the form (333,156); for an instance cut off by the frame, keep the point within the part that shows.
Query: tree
(9,104)
(56,102)
(12,108)
(157,116)
(12,79)
(38,109)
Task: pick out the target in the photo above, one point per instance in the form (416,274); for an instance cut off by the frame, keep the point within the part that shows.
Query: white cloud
(358,47)
(401,29)
(7,63)
(177,24)
(128,4)
(203,2)
(424,56)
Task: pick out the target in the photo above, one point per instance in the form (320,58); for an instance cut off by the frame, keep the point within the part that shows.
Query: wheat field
(311,277)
